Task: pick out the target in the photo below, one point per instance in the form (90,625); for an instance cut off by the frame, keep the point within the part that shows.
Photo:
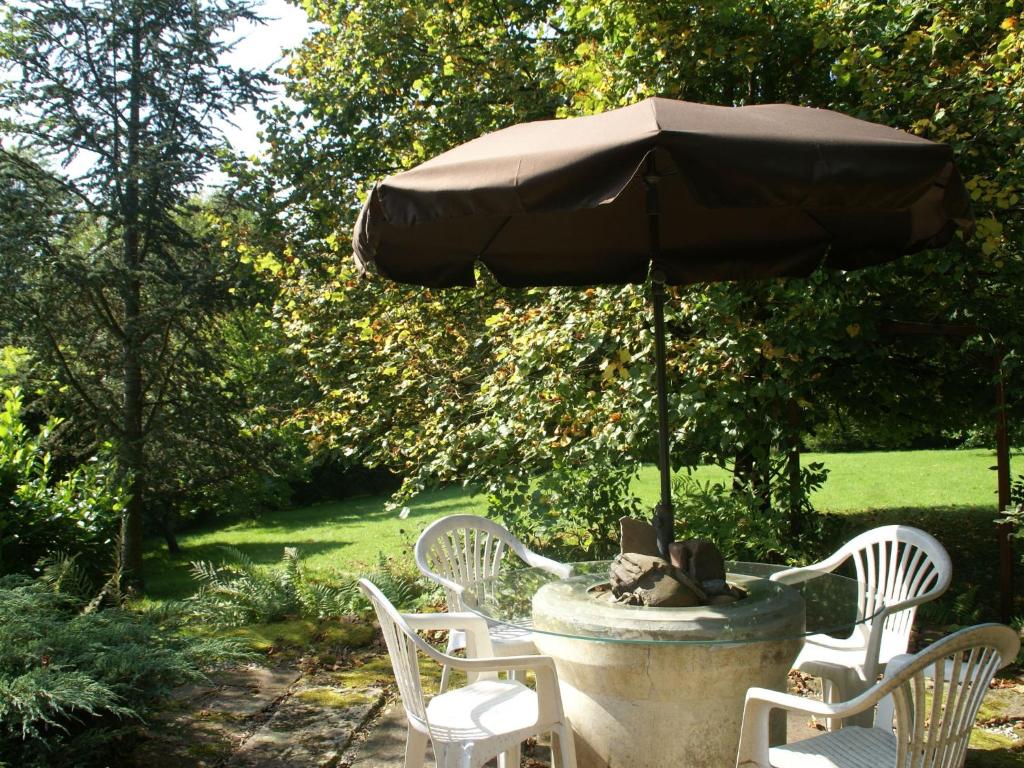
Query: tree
(123,95)
(557,384)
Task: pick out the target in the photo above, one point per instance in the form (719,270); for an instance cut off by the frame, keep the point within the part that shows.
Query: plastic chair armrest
(807,572)
(478,636)
(753,748)
(546,564)
(549,701)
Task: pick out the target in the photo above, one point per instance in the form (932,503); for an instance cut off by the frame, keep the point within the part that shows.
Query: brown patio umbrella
(679,191)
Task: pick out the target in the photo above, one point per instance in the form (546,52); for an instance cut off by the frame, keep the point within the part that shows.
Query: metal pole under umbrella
(663,520)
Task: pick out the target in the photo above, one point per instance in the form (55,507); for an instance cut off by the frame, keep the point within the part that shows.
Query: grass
(859,482)
(337,537)
(941,488)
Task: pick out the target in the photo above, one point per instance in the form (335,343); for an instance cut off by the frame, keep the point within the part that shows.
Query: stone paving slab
(206,722)
(311,728)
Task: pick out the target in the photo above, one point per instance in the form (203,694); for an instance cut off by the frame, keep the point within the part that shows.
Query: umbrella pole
(663,520)
(663,513)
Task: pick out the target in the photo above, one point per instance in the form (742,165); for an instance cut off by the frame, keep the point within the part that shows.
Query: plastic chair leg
(510,759)
(415,748)
(446,673)
(563,748)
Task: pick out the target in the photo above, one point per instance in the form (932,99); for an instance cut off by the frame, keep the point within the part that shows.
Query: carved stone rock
(638,536)
(721,592)
(638,579)
(699,558)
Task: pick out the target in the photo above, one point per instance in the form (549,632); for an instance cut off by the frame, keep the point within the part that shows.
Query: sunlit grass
(346,536)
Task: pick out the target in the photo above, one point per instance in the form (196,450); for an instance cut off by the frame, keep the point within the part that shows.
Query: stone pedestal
(666,691)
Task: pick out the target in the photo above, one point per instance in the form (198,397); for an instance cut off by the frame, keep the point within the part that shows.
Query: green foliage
(738,522)
(240,592)
(570,511)
(41,512)
(72,681)
(118,289)
(544,398)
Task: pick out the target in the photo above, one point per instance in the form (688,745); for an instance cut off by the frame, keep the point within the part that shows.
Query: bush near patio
(43,512)
(77,679)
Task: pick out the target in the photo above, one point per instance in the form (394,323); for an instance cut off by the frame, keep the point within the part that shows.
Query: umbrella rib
(493,237)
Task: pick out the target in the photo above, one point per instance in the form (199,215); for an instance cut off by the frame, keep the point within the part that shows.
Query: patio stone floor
(384,746)
(257,717)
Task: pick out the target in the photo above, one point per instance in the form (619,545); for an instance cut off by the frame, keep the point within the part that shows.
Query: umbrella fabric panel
(743,193)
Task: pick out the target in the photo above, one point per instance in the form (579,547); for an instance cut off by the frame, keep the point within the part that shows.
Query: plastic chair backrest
(402,643)
(933,723)
(463,549)
(896,563)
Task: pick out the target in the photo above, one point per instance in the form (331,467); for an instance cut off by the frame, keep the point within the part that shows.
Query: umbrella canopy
(678,191)
(744,193)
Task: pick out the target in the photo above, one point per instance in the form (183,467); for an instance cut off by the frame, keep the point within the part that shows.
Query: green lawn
(346,536)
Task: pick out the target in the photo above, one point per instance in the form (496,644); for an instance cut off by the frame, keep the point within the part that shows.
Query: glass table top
(530,599)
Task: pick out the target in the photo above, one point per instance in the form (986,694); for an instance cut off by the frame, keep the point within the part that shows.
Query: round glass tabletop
(530,599)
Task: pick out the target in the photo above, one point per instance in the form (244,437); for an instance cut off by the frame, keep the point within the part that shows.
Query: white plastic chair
(900,566)
(486,718)
(916,725)
(457,552)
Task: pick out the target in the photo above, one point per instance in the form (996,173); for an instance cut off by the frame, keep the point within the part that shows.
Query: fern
(61,573)
(240,592)
(400,586)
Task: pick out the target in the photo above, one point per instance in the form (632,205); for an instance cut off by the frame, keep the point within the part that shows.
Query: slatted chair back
(936,696)
(463,550)
(895,563)
(402,643)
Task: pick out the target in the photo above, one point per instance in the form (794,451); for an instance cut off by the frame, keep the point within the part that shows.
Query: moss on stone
(210,750)
(262,637)
(366,675)
(348,634)
(216,716)
(333,698)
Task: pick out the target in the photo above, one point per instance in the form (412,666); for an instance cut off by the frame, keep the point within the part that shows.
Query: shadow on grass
(312,529)
(446,501)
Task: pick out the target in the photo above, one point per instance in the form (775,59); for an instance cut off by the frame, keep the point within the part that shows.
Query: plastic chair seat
(486,718)
(852,747)
(484,710)
(914,723)
(506,640)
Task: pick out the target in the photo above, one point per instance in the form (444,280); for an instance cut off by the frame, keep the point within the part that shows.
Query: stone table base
(672,695)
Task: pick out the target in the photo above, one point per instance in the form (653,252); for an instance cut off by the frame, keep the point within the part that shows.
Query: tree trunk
(132,449)
(742,469)
(796,510)
(167,529)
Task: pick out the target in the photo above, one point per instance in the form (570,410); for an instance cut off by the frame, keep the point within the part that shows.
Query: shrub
(240,592)
(75,679)
(738,522)
(78,513)
(571,511)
